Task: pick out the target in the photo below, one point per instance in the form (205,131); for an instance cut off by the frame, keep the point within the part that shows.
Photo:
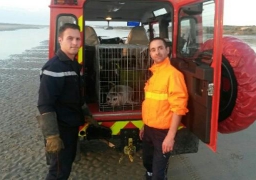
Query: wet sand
(21,142)
(22,150)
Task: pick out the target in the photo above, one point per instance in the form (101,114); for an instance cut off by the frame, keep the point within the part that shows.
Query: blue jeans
(153,158)
(61,163)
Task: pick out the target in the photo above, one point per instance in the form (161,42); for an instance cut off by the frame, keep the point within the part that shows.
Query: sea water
(17,41)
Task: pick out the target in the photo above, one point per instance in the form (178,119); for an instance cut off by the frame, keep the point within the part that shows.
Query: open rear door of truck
(198,23)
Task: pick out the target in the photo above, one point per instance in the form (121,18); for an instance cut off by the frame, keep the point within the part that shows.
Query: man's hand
(167,144)
(54,144)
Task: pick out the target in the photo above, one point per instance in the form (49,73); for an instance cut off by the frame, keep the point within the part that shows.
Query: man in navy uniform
(60,103)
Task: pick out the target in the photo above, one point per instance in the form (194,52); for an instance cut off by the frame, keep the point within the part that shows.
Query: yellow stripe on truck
(80,51)
(80,23)
(80,55)
(138,124)
(117,126)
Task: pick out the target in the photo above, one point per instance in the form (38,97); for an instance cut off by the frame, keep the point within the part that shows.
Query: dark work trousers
(153,158)
(61,163)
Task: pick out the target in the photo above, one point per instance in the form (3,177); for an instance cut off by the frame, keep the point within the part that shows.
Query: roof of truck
(98,10)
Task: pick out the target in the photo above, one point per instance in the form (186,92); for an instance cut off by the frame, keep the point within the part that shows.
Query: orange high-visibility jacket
(165,94)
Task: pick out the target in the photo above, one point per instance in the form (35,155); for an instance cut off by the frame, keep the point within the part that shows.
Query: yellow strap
(156,96)
(180,127)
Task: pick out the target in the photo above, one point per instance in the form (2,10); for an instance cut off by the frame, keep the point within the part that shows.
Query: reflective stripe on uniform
(58,74)
(156,96)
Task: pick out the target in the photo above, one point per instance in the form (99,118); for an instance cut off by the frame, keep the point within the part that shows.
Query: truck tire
(228,90)
(237,110)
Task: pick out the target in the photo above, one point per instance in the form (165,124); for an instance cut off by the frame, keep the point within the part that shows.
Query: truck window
(156,30)
(108,31)
(62,19)
(195,30)
(186,36)
(170,32)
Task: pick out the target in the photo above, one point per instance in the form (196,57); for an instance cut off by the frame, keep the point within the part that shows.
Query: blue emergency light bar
(133,23)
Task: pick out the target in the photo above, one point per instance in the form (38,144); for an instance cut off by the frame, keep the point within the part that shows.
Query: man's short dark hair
(68,26)
(159,38)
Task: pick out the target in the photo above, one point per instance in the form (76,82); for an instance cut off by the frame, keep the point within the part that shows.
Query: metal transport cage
(121,73)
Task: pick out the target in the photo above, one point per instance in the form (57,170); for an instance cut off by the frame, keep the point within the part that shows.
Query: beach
(22,148)
(22,145)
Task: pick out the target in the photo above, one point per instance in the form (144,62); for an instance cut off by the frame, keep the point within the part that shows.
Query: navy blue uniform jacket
(60,90)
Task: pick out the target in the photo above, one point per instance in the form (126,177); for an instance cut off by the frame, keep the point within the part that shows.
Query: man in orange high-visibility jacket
(165,102)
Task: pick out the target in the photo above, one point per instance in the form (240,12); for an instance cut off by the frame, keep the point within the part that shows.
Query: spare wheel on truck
(237,109)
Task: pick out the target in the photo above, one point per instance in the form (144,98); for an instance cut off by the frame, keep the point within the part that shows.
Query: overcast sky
(37,12)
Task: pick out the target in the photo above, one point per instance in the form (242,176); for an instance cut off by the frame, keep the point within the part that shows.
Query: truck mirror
(194,9)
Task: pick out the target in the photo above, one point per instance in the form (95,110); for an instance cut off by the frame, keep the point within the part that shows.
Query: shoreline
(13,27)
(227,29)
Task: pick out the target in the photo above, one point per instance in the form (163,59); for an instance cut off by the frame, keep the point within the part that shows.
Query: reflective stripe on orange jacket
(165,94)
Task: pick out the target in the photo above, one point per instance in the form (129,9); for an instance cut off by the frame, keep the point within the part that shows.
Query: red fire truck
(219,70)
